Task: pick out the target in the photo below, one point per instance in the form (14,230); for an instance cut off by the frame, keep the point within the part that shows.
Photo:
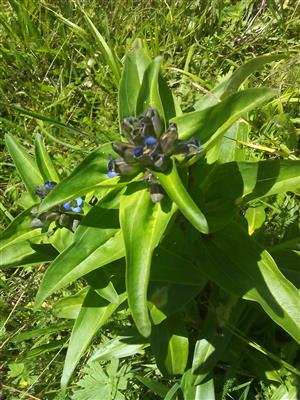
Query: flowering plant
(160,254)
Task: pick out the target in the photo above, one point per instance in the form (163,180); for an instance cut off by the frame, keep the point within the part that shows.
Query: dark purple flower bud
(156,121)
(138,151)
(125,150)
(126,169)
(169,140)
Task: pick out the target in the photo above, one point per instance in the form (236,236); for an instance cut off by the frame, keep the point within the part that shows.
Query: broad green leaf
(97,242)
(89,173)
(62,239)
(135,65)
(172,268)
(19,229)
(175,189)
(88,176)
(170,345)
(246,181)
(288,261)
(211,123)
(25,165)
(26,252)
(93,315)
(233,83)
(149,95)
(156,387)
(102,284)
(107,52)
(245,70)
(142,223)
(69,307)
(255,217)
(44,162)
(227,147)
(119,347)
(203,391)
(240,266)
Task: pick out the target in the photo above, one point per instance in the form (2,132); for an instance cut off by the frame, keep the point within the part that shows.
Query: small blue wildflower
(150,141)
(74,205)
(67,206)
(112,174)
(79,201)
(49,185)
(76,209)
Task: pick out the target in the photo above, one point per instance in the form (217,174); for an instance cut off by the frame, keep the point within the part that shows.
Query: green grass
(54,71)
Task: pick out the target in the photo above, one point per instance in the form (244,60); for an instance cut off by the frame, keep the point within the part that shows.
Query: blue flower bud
(150,141)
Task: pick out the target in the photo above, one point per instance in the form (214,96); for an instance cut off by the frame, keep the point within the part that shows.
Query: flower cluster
(59,214)
(148,147)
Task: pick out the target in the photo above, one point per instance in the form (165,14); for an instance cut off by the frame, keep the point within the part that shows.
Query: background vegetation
(52,73)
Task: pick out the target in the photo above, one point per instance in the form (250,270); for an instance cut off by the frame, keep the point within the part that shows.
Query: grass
(55,72)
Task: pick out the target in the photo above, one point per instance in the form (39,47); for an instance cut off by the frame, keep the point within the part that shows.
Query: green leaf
(119,347)
(26,252)
(69,307)
(169,267)
(94,313)
(46,348)
(97,242)
(175,189)
(143,224)
(149,95)
(247,181)
(89,173)
(135,65)
(204,391)
(19,229)
(227,147)
(172,391)
(164,299)
(102,285)
(255,217)
(245,70)
(25,165)
(233,83)
(160,389)
(240,266)
(107,52)
(170,345)
(44,332)
(209,124)
(44,162)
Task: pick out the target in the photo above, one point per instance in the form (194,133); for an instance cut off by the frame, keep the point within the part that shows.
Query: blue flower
(112,174)
(74,205)
(49,185)
(150,141)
